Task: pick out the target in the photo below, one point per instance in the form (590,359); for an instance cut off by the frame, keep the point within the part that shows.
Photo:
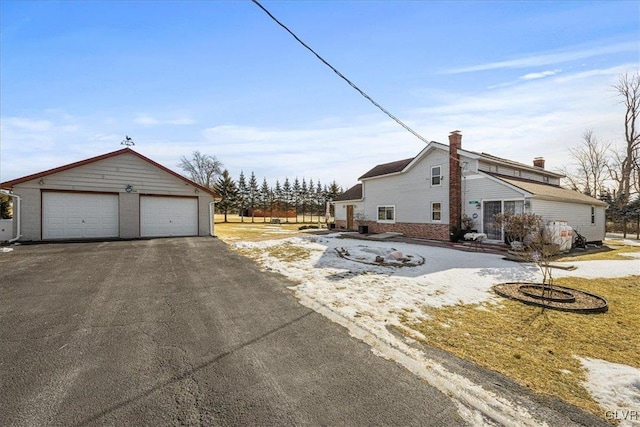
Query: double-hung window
(436,211)
(436,176)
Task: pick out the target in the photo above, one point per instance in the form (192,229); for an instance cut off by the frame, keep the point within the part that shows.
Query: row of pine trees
(302,198)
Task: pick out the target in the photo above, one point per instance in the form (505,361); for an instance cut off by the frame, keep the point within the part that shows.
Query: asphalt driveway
(183,332)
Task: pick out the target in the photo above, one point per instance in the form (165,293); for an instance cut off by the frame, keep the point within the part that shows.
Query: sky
(519,79)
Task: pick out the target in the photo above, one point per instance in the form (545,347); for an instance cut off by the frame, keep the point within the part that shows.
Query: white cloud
(557,57)
(148,120)
(540,75)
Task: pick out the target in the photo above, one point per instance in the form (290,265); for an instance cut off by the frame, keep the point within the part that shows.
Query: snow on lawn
(367,299)
(615,387)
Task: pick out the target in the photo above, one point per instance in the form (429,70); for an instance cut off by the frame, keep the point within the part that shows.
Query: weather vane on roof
(128,141)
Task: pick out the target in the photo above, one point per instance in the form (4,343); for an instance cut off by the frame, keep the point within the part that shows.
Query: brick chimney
(538,162)
(455,178)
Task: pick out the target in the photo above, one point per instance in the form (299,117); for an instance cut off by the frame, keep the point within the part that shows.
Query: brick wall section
(341,224)
(425,231)
(455,186)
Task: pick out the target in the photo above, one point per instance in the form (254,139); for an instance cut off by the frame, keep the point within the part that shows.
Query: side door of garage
(67,215)
(162,216)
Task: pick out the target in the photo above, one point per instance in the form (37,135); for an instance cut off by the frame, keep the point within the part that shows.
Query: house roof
(387,168)
(550,192)
(8,185)
(354,193)
(496,159)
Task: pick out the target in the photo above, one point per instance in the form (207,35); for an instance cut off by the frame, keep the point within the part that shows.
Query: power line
(342,76)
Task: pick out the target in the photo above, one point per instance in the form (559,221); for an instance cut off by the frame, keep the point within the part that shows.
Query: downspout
(212,210)
(16,214)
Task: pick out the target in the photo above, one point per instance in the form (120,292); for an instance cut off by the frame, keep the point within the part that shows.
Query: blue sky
(519,79)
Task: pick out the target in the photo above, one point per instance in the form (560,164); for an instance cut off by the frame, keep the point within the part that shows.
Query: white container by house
(561,234)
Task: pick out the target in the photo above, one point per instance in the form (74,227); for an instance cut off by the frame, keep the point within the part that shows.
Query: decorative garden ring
(555,297)
(547,293)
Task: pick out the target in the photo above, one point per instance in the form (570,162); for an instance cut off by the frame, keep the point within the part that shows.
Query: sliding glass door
(489,225)
(489,209)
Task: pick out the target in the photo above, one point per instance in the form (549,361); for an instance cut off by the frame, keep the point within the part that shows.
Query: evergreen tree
(5,207)
(311,197)
(304,196)
(243,192)
(286,193)
(277,196)
(226,189)
(319,199)
(296,195)
(265,198)
(254,194)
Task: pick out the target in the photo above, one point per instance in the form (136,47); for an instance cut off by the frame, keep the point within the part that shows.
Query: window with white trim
(386,213)
(436,176)
(436,211)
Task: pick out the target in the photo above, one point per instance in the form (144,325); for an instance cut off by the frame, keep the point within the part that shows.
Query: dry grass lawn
(608,252)
(537,347)
(235,230)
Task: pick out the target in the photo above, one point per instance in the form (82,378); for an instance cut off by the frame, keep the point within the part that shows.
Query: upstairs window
(436,176)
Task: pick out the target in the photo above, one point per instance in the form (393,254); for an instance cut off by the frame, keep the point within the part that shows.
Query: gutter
(212,210)
(16,214)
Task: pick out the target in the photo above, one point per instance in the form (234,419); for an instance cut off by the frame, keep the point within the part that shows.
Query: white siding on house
(410,192)
(340,210)
(578,216)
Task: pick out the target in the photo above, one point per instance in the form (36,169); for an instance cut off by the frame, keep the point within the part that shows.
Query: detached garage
(122,194)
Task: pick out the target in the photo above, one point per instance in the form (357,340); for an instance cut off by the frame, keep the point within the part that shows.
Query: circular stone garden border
(555,297)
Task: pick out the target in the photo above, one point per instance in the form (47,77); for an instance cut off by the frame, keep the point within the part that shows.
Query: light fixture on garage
(128,188)
(41,182)
(196,191)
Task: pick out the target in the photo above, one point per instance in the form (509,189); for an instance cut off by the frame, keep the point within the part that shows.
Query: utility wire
(342,76)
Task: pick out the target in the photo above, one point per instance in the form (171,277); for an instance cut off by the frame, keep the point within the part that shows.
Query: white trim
(439,176)
(432,212)
(385,221)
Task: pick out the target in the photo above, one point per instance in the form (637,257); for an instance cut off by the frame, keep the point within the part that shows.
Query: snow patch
(615,387)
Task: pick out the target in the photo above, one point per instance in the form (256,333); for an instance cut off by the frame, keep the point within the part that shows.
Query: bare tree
(627,160)
(202,169)
(591,166)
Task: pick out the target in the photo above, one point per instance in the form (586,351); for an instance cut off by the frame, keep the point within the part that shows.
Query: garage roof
(8,185)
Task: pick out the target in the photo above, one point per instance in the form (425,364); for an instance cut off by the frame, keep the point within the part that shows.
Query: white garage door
(79,215)
(168,216)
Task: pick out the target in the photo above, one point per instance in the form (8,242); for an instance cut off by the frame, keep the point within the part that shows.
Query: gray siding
(110,175)
(578,216)
(479,188)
